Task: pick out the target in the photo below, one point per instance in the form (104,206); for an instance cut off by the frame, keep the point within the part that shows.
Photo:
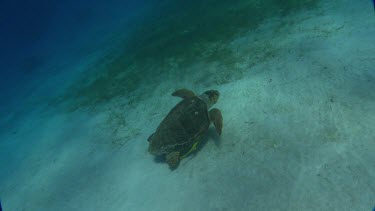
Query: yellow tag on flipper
(194,147)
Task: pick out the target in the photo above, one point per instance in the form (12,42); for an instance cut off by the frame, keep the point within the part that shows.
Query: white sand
(298,134)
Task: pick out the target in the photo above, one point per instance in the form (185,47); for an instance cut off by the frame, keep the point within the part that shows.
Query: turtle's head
(210,97)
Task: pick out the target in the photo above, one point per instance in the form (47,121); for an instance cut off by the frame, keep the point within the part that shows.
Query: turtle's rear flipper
(183,93)
(217,119)
(150,137)
(173,159)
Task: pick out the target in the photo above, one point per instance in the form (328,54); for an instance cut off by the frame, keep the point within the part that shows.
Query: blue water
(37,37)
(83,84)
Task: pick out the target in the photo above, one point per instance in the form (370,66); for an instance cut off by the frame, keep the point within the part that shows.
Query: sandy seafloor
(299,130)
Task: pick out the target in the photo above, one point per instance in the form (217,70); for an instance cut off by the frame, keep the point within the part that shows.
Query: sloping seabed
(175,37)
(296,83)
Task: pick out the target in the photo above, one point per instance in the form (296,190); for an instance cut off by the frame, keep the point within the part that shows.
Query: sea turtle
(181,130)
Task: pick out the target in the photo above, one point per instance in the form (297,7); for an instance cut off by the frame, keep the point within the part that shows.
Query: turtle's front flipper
(183,93)
(217,119)
(173,159)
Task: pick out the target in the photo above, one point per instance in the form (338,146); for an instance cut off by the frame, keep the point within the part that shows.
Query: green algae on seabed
(187,33)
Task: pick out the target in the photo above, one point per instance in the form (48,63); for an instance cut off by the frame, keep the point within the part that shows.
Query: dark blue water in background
(37,37)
